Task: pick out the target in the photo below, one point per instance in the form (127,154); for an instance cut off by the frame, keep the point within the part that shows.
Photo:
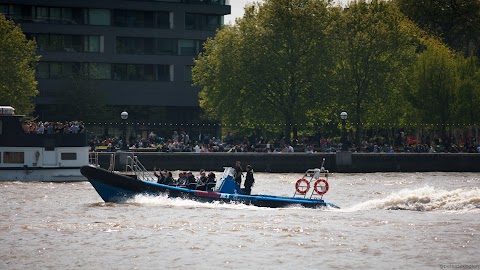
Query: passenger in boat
(203,177)
(191,182)
(202,180)
(249,180)
(161,175)
(238,173)
(211,181)
(169,179)
(182,179)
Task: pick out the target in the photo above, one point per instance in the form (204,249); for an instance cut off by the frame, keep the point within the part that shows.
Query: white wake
(425,199)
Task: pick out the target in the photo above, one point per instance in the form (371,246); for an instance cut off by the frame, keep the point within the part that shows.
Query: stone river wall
(300,162)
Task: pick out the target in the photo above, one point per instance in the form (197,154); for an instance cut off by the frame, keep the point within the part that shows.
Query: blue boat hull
(118,188)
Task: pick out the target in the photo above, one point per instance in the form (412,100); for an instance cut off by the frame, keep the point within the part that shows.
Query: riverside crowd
(202,143)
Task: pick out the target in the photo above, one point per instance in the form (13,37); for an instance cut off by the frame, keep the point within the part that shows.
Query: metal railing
(134,165)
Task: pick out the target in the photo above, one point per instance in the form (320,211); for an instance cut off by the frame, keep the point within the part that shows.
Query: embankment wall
(300,162)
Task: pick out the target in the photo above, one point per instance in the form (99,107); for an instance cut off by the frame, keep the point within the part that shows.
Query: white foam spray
(426,198)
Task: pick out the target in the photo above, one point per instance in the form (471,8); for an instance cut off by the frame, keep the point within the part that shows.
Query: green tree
(377,47)
(270,70)
(467,96)
(17,68)
(434,83)
(456,22)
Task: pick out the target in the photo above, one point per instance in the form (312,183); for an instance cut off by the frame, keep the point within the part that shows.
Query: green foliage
(270,70)
(378,48)
(295,65)
(17,68)
(435,80)
(467,95)
(445,86)
(456,22)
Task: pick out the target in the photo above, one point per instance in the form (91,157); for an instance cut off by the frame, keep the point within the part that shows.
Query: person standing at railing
(249,180)
(238,173)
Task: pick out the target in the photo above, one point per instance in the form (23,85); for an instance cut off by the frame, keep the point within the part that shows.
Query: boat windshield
(228,171)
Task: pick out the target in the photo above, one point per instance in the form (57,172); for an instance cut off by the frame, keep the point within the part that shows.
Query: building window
(56,70)
(187,47)
(69,70)
(68,43)
(55,15)
(5,9)
(68,156)
(43,70)
(42,42)
(14,157)
(105,71)
(100,71)
(98,17)
(187,76)
(164,20)
(165,46)
(164,73)
(133,72)
(161,46)
(195,21)
(129,45)
(56,43)
(146,19)
(208,2)
(92,44)
(41,14)
(73,43)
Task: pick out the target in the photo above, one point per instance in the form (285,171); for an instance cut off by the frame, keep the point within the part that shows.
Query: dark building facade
(136,53)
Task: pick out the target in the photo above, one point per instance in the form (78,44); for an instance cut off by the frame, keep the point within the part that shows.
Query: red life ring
(297,186)
(315,186)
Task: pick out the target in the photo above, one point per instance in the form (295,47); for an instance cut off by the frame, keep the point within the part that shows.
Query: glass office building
(137,53)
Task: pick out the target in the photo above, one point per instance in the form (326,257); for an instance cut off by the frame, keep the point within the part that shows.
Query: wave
(425,199)
(165,201)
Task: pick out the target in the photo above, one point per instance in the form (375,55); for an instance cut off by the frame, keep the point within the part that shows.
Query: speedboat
(120,187)
(26,156)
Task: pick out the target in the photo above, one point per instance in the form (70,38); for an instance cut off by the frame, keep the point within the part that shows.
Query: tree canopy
(456,22)
(435,79)
(17,68)
(288,65)
(271,68)
(378,47)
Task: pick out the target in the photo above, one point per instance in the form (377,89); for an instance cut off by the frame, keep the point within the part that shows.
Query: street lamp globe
(343,115)
(124,115)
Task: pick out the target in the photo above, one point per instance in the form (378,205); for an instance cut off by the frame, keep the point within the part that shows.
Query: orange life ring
(297,186)
(315,186)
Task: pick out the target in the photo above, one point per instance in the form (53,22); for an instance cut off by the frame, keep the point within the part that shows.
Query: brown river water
(386,221)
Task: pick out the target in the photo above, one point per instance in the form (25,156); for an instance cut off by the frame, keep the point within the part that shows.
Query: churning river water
(386,221)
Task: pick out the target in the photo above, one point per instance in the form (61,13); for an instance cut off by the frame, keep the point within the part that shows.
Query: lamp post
(124,116)
(344,116)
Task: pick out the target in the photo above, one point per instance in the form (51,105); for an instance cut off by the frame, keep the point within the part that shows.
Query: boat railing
(134,165)
(310,177)
(111,166)
(93,159)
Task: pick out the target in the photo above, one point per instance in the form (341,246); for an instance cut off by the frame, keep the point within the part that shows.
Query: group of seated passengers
(187,179)
(52,127)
